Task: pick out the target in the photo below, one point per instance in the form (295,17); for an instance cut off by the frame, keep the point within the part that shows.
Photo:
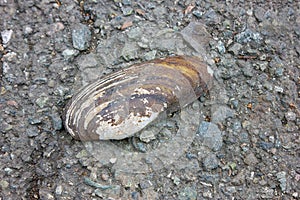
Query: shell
(120,104)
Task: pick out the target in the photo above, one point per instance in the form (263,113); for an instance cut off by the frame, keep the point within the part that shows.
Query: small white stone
(295,194)
(113,160)
(6,36)
(58,190)
(278,89)
(290,116)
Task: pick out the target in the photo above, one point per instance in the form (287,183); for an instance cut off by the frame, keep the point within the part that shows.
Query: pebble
(197,13)
(126,2)
(145,184)
(190,156)
(228,63)
(248,71)
(45,168)
(83,153)
(34,121)
(113,160)
(45,60)
(262,65)
(135,195)
(42,101)
(51,83)
(278,89)
(276,63)
(290,116)
(148,135)
(210,178)
(69,54)
(58,190)
(165,44)
(226,25)
(279,72)
(221,48)
(234,103)
(5,127)
(6,36)
(8,170)
(104,176)
(10,56)
(127,11)
(237,126)
(62,91)
(150,5)
(259,14)
(250,159)
(113,190)
(56,121)
(268,193)
(130,51)
(266,145)
(232,165)
(32,132)
(230,190)
(176,180)
(239,178)
(135,33)
(211,17)
(94,184)
(207,194)
(40,80)
(244,138)
(221,113)
(2,90)
(281,177)
(5,68)
(248,36)
(211,135)
(291,12)
(271,139)
(87,61)
(235,48)
(4,184)
(81,37)
(188,193)
(143,43)
(295,195)
(211,162)
(150,55)
(158,10)
(28,30)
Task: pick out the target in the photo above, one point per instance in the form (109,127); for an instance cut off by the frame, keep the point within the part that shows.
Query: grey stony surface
(247,142)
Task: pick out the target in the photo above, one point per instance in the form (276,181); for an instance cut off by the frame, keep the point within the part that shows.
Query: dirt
(246,141)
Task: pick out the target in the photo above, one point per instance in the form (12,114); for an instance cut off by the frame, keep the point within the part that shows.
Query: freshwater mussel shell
(123,103)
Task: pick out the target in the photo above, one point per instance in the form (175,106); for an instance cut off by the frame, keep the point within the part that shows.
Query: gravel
(81,37)
(242,143)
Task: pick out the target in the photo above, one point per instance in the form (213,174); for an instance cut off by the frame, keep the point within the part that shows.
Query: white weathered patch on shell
(136,123)
(144,100)
(165,105)
(142,91)
(93,112)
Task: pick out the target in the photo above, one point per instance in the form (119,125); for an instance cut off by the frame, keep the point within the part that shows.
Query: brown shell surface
(120,104)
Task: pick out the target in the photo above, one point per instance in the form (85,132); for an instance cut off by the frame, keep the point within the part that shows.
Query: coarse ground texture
(246,148)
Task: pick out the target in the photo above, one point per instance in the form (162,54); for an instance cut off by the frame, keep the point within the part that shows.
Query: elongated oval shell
(123,103)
